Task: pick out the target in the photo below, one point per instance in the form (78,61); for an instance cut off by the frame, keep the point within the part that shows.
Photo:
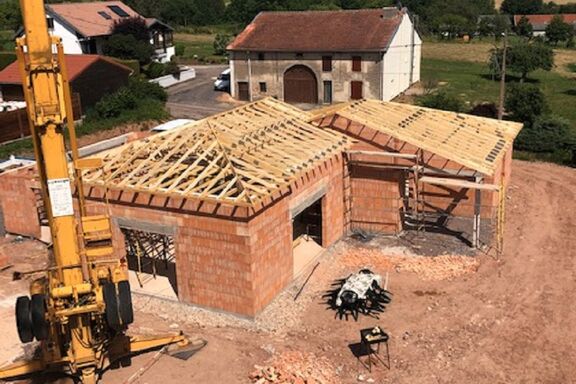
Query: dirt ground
(452,319)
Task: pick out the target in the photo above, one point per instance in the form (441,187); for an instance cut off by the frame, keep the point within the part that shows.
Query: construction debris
(295,368)
(443,267)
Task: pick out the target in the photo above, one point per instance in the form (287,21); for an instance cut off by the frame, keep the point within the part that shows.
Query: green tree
(130,40)
(208,12)
(525,102)
(10,16)
(179,12)
(126,47)
(523,58)
(524,28)
(485,27)
(451,25)
(521,7)
(558,30)
(135,26)
(441,100)
(549,134)
(220,43)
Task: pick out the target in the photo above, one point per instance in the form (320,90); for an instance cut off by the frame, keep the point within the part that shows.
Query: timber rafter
(239,157)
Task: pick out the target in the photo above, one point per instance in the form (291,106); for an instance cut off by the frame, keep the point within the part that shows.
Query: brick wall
(19,202)
(232,259)
(375,189)
(271,229)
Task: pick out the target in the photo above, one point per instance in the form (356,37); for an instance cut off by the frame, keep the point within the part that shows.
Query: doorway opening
(307,236)
(151,263)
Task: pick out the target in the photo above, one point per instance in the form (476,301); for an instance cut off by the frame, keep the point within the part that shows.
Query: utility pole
(503,79)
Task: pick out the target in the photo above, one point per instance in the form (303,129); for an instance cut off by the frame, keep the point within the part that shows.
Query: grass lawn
(478,51)
(198,47)
(198,42)
(472,83)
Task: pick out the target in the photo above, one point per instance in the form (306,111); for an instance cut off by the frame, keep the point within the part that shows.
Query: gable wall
(399,59)
(70,41)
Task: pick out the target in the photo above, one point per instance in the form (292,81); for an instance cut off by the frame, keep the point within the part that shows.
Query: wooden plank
(386,154)
(458,183)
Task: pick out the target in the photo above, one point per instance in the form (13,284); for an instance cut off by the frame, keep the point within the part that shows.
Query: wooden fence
(14,124)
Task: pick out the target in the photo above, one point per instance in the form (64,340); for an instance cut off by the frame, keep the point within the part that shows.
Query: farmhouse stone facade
(325,57)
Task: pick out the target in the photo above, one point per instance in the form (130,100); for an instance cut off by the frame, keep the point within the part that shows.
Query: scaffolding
(416,175)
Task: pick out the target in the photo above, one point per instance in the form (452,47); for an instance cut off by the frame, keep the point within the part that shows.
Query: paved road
(196,98)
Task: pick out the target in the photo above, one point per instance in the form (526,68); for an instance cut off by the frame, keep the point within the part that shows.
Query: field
(197,47)
(479,51)
(499,2)
(198,43)
(461,70)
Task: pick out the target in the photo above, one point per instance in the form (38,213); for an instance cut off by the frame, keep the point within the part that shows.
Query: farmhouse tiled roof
(539,22)
(92,18)
(75,64)
(364,30)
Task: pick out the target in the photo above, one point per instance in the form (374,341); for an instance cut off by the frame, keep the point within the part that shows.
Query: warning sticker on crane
(60,197)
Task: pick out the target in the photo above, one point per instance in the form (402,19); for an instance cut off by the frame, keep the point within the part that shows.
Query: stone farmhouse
(321,57)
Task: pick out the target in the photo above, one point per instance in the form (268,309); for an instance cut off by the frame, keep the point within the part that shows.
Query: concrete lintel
(144,226)
(301,205)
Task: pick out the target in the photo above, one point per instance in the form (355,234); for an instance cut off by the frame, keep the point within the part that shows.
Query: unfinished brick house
(218,206)
(225,191)
(416,168)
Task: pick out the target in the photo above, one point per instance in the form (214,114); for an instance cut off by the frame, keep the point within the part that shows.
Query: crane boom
(81,308)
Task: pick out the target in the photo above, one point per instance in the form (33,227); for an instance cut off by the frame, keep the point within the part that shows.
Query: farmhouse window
(357,63)
(327,63)
(356,90)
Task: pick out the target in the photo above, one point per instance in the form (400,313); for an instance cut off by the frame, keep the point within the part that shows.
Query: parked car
(222,83)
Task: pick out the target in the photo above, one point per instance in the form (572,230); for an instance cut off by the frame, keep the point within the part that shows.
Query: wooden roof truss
(475,142)
(239,157)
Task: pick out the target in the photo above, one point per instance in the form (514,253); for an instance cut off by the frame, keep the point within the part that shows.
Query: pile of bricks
(295,368)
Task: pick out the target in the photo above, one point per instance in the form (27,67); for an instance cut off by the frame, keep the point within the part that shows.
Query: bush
(172,68)
(146,90)
(441,100)
(548,134)
(485,110)
(154,70)
(127,47)
(525,102)
(113,105)
(179,48)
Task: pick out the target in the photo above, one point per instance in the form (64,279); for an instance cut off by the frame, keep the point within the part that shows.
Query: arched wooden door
(300,85)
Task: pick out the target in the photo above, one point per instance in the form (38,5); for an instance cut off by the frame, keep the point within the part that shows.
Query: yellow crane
(81,308)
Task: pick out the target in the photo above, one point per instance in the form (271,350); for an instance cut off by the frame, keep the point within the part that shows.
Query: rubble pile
(295,368)
(443,267)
